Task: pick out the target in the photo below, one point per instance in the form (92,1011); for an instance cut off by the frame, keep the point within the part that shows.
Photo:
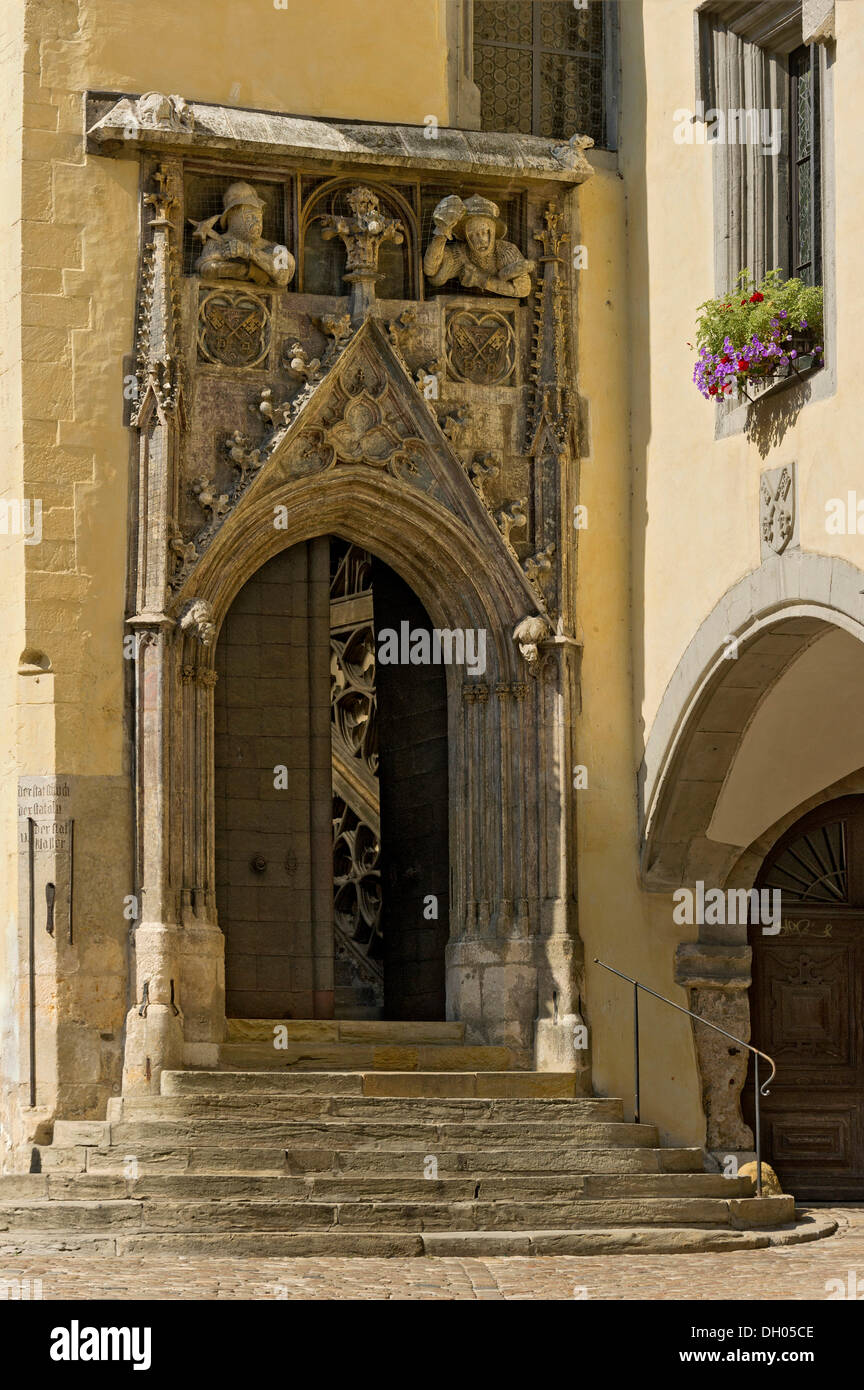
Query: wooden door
(807,1004)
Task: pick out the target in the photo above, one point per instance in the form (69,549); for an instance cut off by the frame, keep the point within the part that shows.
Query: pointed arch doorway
(331,795)
(807,1004)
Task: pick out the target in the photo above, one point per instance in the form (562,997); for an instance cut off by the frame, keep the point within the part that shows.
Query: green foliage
(734,316)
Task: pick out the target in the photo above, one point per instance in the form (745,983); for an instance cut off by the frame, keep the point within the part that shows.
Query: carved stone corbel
(529,633)
(197,619)
(538,564)
(571,154)
(817,21)
(513,518)
(484,468)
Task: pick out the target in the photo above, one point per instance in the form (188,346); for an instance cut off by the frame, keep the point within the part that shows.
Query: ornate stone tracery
(309,416)
(356,799)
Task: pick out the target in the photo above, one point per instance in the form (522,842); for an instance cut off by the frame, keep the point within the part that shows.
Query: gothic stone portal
(325,426)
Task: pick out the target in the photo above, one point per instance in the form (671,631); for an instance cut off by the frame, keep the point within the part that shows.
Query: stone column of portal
(561,1038)
(154,1032)
(202,994)
(154,1036)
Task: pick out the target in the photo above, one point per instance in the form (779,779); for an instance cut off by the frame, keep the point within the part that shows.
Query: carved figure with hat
(468,245)
(240,252)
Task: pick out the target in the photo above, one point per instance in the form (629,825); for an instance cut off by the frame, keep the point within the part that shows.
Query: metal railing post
(758,1126)
(637,985)
(31,965)
(636,1054)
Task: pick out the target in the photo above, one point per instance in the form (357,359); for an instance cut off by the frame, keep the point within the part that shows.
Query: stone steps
(341,1187)
(377,1162)
(362,1056)
(481,1161)
(355,1045)
(370,1213)
(401,1134)
(442,1085)
(585,1241)
(363,1108)
(342,1030)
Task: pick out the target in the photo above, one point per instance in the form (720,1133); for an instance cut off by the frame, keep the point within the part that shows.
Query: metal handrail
(757,1053)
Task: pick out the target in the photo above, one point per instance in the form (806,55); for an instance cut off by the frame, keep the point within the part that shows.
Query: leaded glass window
(539,65)
(805,223)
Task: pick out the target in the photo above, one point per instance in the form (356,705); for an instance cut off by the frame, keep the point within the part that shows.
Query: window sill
(790,393)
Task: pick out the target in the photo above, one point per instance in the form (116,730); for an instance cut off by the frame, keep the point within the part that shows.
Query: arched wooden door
(807,1004)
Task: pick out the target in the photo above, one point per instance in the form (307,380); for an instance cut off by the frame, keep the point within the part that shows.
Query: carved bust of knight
(240,252)
(468,245)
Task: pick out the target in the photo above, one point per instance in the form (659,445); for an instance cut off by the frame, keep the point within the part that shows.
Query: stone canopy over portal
(438,433)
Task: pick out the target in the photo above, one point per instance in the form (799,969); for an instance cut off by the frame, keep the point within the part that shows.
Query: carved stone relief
(233,329)
(571,153)
(155,111)
(777,510)
(357,899)
(363,234)
(481,347)
(528,634)
(468,245)
(198,619)
(240,252)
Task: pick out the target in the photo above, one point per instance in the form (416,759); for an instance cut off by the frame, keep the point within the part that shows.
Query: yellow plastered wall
(696,499)
(620,924)
(693,529)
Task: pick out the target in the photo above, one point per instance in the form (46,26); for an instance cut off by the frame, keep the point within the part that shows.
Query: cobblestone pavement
(795,1272)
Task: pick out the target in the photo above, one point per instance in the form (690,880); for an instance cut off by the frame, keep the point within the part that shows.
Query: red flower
(712,390)
(743,365)
(725,358)
(756,297)
(743,301)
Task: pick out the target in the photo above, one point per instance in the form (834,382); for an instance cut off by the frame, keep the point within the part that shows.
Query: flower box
(758,337)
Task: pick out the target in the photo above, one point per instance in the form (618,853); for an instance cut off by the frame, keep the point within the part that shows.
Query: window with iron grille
(805,194)
(540,66)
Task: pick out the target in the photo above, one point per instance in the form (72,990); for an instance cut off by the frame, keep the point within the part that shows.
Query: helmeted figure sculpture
(468,245)
(240,252)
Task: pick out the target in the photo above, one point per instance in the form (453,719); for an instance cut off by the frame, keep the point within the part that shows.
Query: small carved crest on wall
(481,346)
(778,520)
(234,328)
